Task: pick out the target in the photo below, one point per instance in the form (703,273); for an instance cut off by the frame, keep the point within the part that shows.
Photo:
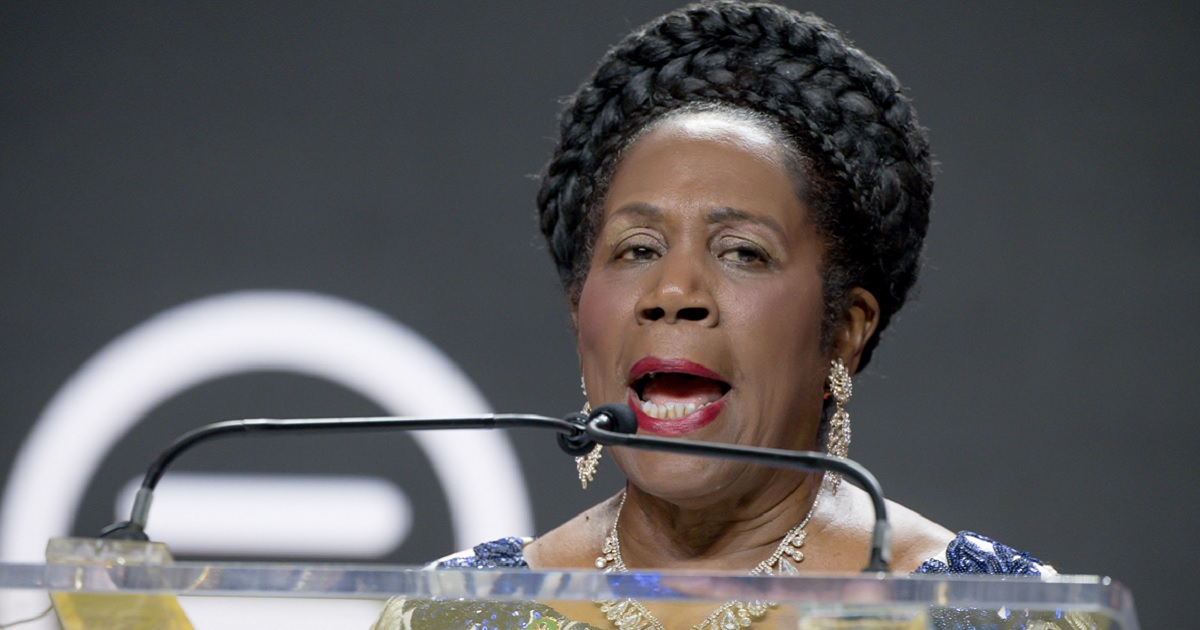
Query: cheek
(589,316)
(603,308)
(783,321)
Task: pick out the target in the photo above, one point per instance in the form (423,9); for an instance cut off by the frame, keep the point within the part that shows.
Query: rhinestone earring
(837,442)
(586,464)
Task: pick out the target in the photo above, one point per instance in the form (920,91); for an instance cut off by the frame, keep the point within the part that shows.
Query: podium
(141,587)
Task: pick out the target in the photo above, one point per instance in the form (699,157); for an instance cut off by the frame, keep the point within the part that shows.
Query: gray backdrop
(1036,391)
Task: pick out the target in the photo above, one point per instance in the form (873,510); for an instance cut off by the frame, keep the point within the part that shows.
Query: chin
(679,479)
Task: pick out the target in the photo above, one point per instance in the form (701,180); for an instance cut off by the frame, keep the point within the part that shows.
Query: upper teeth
(671,410)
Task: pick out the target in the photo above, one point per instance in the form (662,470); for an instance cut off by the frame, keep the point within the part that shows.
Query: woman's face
(702,307)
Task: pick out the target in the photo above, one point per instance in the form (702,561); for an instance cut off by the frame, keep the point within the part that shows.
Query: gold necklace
(631,614)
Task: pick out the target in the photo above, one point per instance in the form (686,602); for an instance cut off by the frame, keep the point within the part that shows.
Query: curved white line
(337,516)
(306,333)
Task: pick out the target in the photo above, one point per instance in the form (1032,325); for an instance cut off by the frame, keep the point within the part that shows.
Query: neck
(732,534)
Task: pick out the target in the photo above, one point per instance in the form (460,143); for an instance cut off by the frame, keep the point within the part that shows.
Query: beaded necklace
(631,614)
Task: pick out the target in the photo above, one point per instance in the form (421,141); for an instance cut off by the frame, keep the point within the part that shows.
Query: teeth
(670,411)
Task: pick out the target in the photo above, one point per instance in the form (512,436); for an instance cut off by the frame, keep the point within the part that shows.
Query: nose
(678,290)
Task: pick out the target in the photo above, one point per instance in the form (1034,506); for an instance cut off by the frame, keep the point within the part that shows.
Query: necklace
(630,614)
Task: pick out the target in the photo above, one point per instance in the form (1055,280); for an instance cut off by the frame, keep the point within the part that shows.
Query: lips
(675,396)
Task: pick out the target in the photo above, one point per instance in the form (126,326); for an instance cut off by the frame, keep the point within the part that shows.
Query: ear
(859,322)
(574,309)
(573,306)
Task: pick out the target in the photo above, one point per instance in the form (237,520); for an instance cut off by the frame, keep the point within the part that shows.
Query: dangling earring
(586,464)
(837,442)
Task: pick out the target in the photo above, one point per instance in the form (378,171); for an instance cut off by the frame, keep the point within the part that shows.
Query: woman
(736,209)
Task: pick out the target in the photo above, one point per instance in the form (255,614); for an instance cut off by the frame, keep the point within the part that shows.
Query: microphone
(615,425)
(612,424)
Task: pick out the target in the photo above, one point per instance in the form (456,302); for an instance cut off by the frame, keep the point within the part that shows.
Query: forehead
(738,129)
(718,125)
(708,160)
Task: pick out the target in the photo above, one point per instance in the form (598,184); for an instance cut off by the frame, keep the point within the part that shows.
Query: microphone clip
(577,442)
(612,417)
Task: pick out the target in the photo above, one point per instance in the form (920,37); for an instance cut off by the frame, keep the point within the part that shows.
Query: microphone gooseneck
(571,432)
(616,425)
(611,425)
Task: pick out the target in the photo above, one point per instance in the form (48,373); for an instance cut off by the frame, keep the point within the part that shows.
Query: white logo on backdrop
(305,333)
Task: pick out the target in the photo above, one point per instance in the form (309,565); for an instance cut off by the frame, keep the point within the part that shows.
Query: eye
(638,248)
(637,252)
(744,254)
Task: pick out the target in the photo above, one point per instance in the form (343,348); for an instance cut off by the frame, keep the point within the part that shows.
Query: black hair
(867,160)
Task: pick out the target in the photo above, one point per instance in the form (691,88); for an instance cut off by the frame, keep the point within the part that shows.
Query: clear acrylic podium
(132,585)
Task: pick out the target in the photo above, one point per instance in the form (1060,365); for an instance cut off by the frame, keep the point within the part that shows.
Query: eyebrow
(641,209)
(721,214)
(733,215)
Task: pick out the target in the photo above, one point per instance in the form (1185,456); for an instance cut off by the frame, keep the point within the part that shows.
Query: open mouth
(676,395)
(673,397)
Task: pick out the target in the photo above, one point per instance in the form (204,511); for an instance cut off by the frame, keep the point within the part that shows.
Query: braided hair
(867,161)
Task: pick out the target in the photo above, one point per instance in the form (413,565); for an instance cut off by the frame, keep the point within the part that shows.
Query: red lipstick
(673,427)
(677,366)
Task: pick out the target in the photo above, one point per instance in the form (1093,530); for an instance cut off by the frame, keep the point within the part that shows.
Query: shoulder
(847,520)
(495,554)
(926,547)
(920,545)
(915,538)
(971,553)
(574,544)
